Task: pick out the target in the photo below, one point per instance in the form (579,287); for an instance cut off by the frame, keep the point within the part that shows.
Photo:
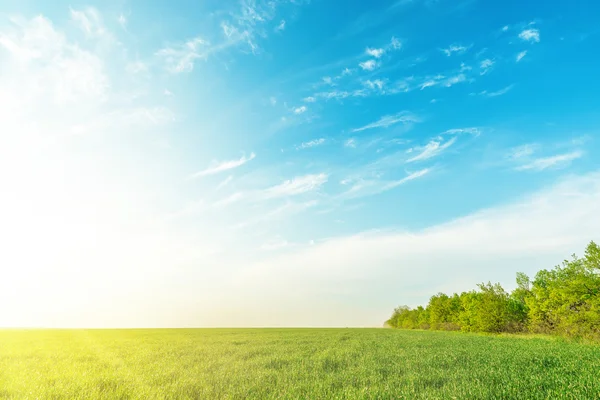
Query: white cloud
(455,49)
(530,35)
(521,55)
(557,161)
(522,151)
(224,183)
(454,80)
(248,24)
(432,149)
(396,44)
(300,110)
(370,187)
(295,186)
(428,83)
(403,117)
(50,69)
(410,177)
(181,58)
(341,94)
(328,80)
(499,92)
(377,53)
(312,143)
(122,20)
(372,84)
(505,28)
(217,167)
(350,143)
(281,26)
(485,65)
(470,131)
(89,21)
(346,71)
(368,65)
(309,99)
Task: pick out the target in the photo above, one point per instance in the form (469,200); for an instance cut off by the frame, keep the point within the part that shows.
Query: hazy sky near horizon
(288,162)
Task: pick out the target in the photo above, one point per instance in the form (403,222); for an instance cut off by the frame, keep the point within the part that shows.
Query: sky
(288,162)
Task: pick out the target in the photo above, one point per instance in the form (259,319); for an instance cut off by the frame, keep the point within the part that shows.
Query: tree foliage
(564,300)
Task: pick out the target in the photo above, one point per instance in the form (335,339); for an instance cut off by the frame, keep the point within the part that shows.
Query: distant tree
(564,300)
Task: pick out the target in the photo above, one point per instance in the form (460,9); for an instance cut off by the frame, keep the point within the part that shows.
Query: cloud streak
(432,149)
(368,65)
(218,167)
(386,121)
(521,55)
(530,35)
(455,49)
(312,143)
(295,186)
(181,58)
(556,161)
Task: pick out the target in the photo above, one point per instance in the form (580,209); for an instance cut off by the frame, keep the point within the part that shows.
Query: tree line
(564,301)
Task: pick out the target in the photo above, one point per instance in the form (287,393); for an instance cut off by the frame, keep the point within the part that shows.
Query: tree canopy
(564,300)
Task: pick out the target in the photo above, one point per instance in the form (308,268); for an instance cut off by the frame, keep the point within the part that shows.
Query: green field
(292,364)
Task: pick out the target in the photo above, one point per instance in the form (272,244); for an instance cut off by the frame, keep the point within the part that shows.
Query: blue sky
(288,162)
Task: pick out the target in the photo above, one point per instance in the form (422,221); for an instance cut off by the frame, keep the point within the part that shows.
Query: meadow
(292,364)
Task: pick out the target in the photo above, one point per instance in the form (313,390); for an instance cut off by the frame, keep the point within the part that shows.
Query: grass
(291,364)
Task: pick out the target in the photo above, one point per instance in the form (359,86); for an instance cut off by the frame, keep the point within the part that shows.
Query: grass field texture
(291,364)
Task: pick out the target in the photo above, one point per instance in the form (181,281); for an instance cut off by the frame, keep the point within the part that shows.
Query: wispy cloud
(404,117)
(300,110)
(295,186)
(218,167)
(500,92)
(432,149)
(396,44)
(248,23)
(181,58)
(522,151)
(122,20)
(470,131)
(521,55)
(377,53)
(455,49)
(454,80)
(89,21)
(243,27)
(368,65)
(224,183)
(309,99)
(428,83)
(410,177)
(312,143)
(374,84)
(281,26)
(530,35)
(486,65)
(350,143)
(557,161)
(371,187)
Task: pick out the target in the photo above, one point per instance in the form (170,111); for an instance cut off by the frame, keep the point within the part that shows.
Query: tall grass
(292,364)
